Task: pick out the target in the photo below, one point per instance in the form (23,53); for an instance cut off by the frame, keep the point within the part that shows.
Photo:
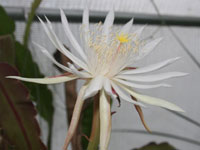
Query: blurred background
(177,21)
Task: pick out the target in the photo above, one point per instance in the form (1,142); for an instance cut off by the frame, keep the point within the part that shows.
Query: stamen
(116,51)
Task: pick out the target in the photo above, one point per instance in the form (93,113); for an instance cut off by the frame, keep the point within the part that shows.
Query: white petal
(85,20)
(123,95)
(126,28)
(108,24)
(152,78)
(94,86)
(50,80)
(49,23)
(51,58)
(147,48)
(78,73)
(54,39)
(153,101)
(105,121)
(141,86)
(139,31)
(71,36)
(150,68)
(108,89)
(75,116)
(85,23)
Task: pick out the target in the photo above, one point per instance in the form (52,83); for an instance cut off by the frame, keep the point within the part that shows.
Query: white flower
(104,62)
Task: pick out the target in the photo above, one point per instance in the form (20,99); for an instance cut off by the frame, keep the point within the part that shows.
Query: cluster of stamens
(112,47)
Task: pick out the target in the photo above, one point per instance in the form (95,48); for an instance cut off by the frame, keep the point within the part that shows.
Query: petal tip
(184,73)
(111,11)
(131,21)
(177,58)
(178,109)
(13,77)
(47,20)
(159,39)
(62,13)
(39,19)
(167,85)
(86,9)
(9,77)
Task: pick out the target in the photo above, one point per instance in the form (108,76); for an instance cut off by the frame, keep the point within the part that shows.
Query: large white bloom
(104,62)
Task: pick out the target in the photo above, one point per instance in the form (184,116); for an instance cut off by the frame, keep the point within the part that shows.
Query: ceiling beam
(75,16)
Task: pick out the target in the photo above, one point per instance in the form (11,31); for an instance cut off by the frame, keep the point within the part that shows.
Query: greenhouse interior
(99,75)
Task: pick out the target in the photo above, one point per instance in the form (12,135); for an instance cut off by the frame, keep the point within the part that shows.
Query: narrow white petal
(49,23)
(153,101)
(108,89)
(150,68)
(94,86)
(126,28)
(141,86)
(85,23)
(147,48)
(49,33)
(123,95)
(85,20)
(108,24)
(152,78)
(62,48)
(43,50)
(77,72)
(54,39)
(75,116)
(71,36)
(139,31)
(105,121)
(50,80)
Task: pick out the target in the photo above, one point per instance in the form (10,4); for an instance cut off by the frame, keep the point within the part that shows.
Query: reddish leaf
(17,113)
(7,49)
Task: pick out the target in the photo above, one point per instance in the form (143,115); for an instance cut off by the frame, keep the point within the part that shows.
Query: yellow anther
(123,38)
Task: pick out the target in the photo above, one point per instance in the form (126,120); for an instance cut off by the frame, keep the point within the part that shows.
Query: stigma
(123,38)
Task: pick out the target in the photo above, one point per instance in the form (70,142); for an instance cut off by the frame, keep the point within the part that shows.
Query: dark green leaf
(154,146)
(86,124)
(95,130)
(7,25)
(17,113)
(7,49)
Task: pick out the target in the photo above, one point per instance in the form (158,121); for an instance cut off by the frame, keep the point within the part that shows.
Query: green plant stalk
(95,132)
(31,15)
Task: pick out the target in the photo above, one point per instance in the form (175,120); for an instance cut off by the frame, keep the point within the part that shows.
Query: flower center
(108,54)
(123,38)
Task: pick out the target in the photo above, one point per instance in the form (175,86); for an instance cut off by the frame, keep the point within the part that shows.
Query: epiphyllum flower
(104,62)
